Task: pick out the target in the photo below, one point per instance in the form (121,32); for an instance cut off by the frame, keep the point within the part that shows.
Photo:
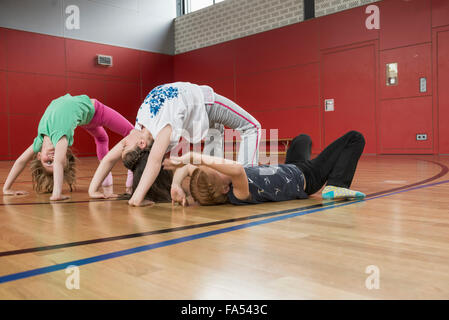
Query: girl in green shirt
(52,159)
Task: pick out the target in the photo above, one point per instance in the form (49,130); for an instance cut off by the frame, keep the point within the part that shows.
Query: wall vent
(104,60)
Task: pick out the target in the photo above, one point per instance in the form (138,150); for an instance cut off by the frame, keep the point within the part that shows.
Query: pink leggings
(111,119)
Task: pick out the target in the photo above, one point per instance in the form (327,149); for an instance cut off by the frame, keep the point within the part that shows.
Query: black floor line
(444,171)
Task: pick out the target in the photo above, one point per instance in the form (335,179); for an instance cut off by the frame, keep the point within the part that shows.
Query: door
(349,86)
(443,91)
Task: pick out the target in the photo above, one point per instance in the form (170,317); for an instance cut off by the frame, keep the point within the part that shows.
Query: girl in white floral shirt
(167,113)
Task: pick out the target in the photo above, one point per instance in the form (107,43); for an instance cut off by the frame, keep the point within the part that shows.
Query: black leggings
(336,164)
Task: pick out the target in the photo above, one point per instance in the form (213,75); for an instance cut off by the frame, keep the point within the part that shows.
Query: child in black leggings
(217,181)
(336,164)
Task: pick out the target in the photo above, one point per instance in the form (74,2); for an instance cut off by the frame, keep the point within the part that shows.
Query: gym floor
(392,245)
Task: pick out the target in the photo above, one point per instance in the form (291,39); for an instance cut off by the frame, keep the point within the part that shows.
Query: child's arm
(103,170)
(227,167)
(58,169)
(177,193)
(16,169)
(183,172)
(152,167)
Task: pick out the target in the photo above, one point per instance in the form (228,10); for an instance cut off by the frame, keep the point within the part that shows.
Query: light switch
(422,85)
(329,105)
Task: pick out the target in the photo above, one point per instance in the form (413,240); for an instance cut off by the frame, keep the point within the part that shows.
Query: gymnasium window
(187,6)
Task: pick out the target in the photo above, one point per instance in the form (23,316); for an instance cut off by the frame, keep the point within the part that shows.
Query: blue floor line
(112,255)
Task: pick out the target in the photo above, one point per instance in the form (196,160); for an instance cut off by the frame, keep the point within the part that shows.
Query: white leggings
(225,112)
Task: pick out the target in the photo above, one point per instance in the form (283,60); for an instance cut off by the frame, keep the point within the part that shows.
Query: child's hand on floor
(97,195)
(14,193)
(143,203)
(101,195)
(59,197)
(178,195)
(108,192)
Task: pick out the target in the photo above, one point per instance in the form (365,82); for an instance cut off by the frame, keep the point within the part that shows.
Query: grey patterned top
(272,183)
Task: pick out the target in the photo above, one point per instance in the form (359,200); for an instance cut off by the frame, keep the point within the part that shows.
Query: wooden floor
(304,249)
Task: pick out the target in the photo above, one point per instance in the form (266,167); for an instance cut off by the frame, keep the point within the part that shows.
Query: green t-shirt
(61,118)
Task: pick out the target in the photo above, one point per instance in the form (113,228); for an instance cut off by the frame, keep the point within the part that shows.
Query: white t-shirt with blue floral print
(179,104)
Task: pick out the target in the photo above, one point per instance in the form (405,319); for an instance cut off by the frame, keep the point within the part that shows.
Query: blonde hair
(43,179)
(206,189)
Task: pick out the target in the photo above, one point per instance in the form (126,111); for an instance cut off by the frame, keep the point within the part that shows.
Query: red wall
(284,75)
(36,68)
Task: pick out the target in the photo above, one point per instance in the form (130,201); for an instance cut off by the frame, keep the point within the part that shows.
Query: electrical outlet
(421,136)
